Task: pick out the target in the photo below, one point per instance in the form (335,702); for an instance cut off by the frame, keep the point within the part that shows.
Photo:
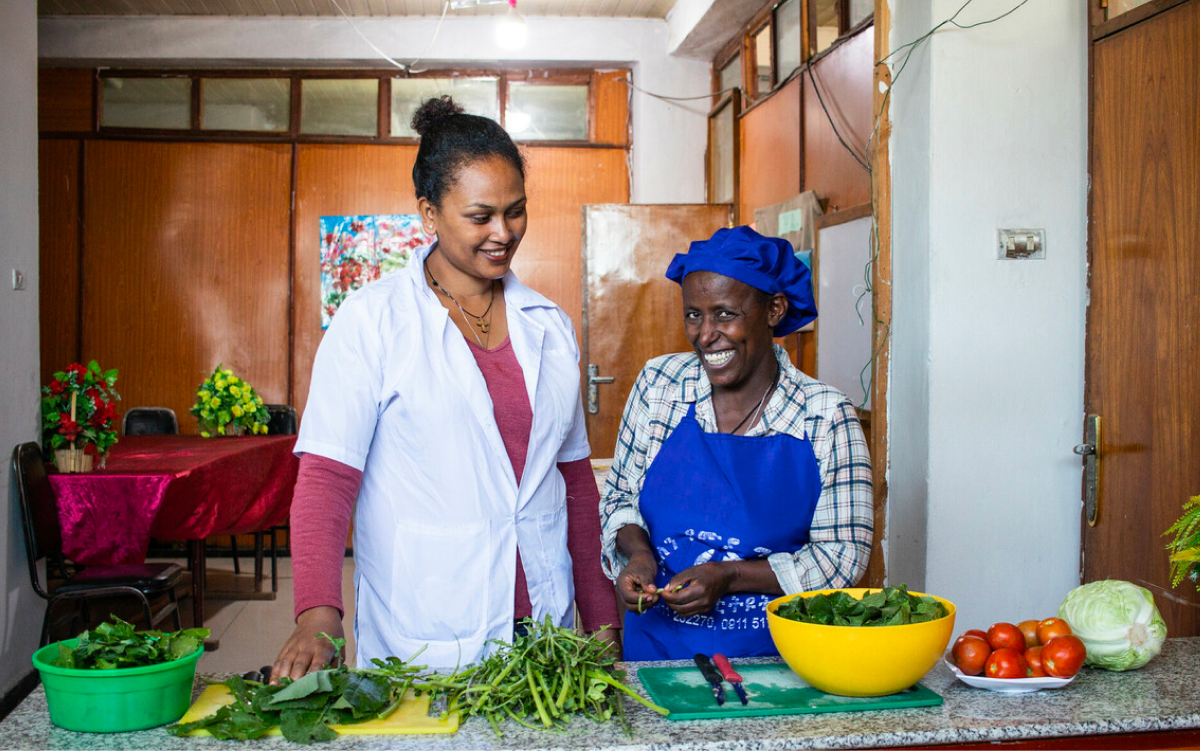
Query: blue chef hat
(765,263)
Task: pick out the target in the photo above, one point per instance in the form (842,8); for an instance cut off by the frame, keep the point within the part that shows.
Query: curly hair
(450,139)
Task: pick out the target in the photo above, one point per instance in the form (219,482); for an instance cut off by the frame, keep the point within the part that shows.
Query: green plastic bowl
(116,701)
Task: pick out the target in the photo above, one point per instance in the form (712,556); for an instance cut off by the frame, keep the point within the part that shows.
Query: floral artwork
(356,250)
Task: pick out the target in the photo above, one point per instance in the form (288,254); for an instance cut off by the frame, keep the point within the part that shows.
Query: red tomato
(975,632)
(1063,656)
(1029,628)
(1033,656)
(1052,627)
(1006,663)
(971,653)
(1006,636)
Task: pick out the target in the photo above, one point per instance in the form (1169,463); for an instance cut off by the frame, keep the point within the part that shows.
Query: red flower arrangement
(78,407)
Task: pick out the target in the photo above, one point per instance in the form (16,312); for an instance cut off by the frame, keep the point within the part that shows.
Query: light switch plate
(18,279)
(1014,244)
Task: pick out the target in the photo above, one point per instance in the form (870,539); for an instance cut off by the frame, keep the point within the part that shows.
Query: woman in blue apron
(736,478)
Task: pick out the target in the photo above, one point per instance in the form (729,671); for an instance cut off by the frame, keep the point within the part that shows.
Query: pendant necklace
(481,321)
(761,402)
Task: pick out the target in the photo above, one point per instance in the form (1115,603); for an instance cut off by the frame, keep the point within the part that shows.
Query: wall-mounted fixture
(1021,243)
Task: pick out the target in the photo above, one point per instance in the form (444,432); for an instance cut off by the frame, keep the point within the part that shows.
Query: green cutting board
(772,690)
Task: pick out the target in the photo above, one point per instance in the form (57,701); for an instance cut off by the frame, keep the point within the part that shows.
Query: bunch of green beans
(539,681)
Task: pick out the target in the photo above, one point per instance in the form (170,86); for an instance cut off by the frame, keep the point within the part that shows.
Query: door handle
(594,379)
(1090,451)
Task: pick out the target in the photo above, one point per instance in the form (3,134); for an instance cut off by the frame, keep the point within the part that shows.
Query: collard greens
(116,644)
(890,606)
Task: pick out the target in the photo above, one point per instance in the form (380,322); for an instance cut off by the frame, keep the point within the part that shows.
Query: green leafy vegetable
(1117,622)
(538,681)
(116,644)
(890,606)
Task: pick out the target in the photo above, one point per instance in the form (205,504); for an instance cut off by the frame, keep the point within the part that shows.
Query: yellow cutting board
(410,718)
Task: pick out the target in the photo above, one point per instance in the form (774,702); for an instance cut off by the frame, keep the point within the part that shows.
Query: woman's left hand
(696,590)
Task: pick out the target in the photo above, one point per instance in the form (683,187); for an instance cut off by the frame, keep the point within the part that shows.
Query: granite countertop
(1160,697)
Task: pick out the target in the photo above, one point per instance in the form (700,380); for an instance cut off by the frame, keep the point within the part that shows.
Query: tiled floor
(252,631)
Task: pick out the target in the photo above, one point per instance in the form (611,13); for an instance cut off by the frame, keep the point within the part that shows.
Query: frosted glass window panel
(730,76)
(826,18)
(339,107)
(860,9)
(147,103)
(721,126)
(1117,7)
(477,96)
(762,59)
(547,112)
(787,37)
(259,104)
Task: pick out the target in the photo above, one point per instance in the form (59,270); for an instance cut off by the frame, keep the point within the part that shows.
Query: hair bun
(433,113)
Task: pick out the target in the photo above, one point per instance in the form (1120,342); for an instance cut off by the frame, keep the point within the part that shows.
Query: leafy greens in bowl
(115,645)
(890,606)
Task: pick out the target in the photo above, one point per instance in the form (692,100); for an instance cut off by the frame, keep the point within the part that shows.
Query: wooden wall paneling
(185,266)
(337,180)
(58,253)
(611,112)
(844,76)
(559,182)
(770,157)
(66,99)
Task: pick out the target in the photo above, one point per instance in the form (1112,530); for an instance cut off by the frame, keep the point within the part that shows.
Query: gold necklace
(481,321)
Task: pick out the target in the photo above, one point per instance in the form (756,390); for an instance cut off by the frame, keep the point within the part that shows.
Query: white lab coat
(396,393)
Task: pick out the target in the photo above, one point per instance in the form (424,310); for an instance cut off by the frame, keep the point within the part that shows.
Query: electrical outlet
(18,279)
(1021,243)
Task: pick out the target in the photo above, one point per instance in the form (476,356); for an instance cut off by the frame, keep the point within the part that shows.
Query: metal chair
(282,421)
(149,421)
(43,542)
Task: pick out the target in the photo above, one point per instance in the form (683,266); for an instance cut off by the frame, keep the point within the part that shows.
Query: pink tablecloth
(174,487)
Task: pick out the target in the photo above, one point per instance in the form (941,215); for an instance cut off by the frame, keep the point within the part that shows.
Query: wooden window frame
(734,102)
(845,30)
(1102,26)
(523,74)
(764,20)
(198,111)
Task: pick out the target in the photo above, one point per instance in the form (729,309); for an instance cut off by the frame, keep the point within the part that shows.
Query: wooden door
(631,311)
(1143,321)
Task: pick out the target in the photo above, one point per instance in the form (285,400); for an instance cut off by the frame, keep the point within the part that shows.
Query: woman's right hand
(304,651)
(635,583)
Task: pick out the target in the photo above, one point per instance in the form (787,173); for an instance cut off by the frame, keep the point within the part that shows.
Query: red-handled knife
(729,674)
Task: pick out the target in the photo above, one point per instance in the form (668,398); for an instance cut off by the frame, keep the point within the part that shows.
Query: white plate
(1006,685)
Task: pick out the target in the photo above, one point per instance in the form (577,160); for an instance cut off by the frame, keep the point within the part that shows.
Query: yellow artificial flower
(205,434)
(236,410)
(214,402)
(220,384)
(235,391)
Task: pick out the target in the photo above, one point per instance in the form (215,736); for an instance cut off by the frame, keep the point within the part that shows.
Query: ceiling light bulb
(511,32)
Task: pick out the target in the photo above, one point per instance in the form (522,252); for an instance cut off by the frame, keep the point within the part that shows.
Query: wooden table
(175,487)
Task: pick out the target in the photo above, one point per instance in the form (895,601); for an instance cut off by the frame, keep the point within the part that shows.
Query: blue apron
(720,497)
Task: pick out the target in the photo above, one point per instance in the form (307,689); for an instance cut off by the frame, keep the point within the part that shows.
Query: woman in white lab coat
(445,411)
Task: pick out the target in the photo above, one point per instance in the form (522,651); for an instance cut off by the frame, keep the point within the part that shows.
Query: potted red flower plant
(79,416)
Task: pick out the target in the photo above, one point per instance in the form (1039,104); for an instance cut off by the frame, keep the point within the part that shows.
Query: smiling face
(481,219)
(729,324)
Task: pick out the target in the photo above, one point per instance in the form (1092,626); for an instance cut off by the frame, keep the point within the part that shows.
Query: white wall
(987,370)
(669,138)
(20,609)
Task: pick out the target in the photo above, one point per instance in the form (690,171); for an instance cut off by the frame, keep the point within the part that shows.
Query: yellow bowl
(859,660)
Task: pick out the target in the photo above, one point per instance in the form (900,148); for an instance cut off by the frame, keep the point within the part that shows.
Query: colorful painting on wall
(357,250)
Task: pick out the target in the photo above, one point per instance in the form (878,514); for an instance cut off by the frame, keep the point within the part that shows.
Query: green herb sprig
(890,606)
(115,644)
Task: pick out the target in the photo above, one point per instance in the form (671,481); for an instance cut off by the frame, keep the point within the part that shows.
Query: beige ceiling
(362,8)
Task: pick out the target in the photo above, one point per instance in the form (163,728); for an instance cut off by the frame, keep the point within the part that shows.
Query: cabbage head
(1117,622)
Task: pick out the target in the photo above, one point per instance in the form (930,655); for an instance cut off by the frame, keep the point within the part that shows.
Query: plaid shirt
(840,537)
